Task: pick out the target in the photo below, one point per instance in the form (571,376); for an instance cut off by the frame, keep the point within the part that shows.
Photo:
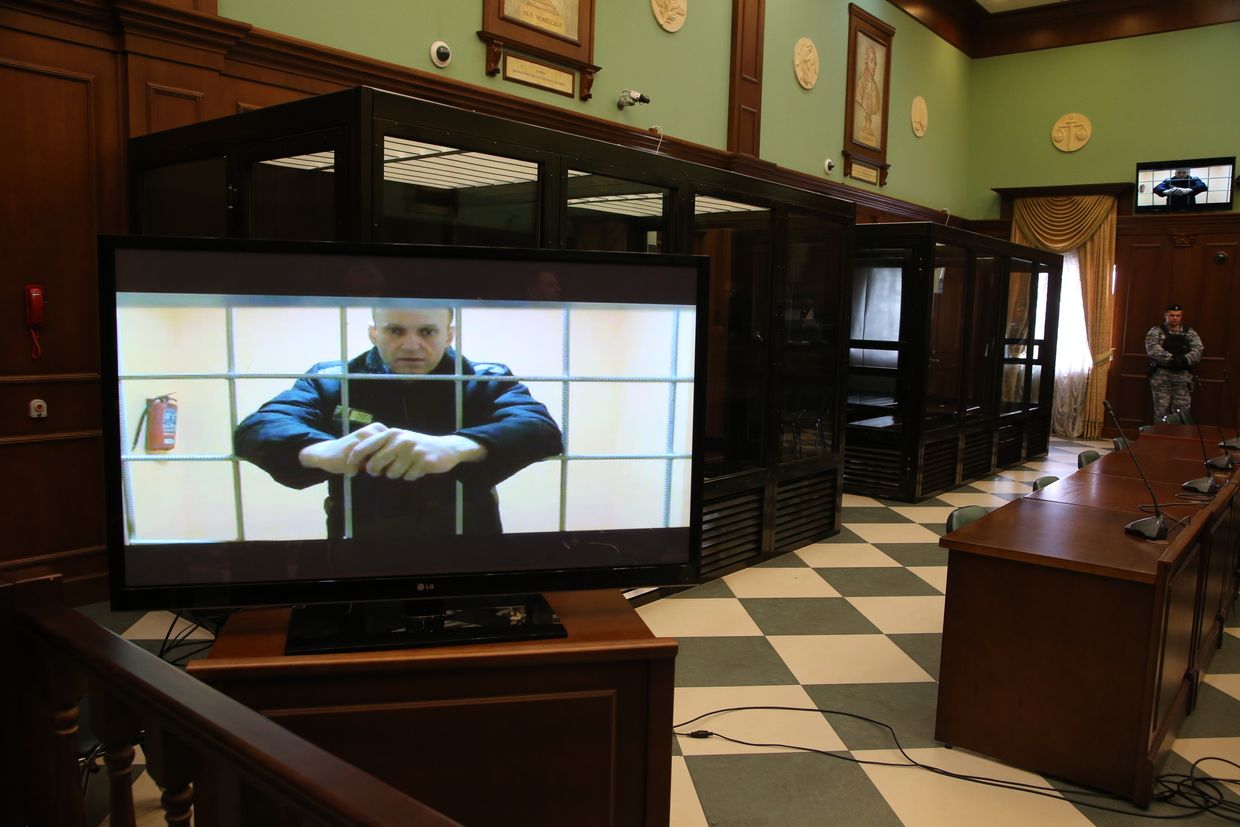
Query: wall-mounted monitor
(308,423)
(1184,185)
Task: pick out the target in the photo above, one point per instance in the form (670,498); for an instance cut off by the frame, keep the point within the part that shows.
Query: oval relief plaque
(1071,132)
(919,116)
(671,14)
(805,62)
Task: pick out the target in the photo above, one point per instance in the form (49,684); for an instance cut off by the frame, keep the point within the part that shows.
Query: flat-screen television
(329,424)
(1186,184)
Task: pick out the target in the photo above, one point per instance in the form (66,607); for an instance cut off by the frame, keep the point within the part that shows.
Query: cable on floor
(1192,793)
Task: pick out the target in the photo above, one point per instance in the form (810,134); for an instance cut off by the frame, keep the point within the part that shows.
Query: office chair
(1042,482)
(964,515)
(1086,457)
(1120,443)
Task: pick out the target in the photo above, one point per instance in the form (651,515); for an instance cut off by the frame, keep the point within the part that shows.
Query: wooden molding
(968,27)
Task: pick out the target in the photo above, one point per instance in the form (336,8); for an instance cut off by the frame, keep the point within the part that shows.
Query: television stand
(401,624)
(557,732)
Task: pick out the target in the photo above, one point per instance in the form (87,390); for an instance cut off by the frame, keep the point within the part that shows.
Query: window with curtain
(1073,360)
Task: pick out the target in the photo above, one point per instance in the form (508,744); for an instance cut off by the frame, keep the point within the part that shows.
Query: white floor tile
(776,582)
(817,659)
(686,808)
(844,556)
(924,514)
(924,799)
(893,532)
(934,575)
(902,615)
(704,617)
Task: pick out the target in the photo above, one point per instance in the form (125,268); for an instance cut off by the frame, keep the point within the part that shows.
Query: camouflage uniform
(1172,356)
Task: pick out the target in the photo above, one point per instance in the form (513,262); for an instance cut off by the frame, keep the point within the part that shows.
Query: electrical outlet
(38,409)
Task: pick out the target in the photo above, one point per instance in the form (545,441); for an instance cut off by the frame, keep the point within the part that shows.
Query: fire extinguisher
(160,416)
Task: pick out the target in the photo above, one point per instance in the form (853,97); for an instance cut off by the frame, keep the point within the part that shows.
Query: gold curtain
(1087,223)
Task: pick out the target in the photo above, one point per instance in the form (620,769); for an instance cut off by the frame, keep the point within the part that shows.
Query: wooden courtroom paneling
(745,93)
(61,164)
(1190,260)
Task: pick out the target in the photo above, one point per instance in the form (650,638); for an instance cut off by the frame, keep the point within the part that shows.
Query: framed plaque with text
(557,35)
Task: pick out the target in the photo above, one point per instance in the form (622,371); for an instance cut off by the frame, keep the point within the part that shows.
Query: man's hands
(391,452)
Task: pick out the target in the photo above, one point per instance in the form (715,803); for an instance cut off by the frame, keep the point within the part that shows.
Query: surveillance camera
(828,165)
(441,53)
(631,97)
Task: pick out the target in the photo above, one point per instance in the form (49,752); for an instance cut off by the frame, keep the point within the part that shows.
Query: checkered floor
(854,624)
(851,624)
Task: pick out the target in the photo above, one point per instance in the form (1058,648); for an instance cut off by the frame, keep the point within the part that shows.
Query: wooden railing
(193,737)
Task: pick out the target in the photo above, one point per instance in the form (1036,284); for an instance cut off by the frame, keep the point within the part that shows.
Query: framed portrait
(559,31)
(866,100)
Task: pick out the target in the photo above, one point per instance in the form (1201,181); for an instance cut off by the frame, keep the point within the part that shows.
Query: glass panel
(873,372)
(294,197)
(1013,388)
(185,199)
(946,334)
(979,374)
(876,303)
(1016,336)
(613,214)
(1039,289)
(1035,385)
(809,376)
(737,238)
(436,194)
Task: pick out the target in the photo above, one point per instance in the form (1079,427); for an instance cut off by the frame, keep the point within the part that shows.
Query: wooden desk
(570,731)
(1073,649)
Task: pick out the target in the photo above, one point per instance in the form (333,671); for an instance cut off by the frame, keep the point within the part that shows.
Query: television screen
(293,423)
(1192,184)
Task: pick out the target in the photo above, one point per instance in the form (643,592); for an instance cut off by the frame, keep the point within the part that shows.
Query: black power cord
(1195,794)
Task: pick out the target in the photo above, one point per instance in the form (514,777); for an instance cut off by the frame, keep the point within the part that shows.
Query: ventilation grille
(1039,441)
(1009,446)
(978,447)
(805,510)
(731,530)
(938,466)
(872,470)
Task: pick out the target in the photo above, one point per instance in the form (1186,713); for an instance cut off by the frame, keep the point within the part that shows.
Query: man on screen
(1181,189)
(402,451)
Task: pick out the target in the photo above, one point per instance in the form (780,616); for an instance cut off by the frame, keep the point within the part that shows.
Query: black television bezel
(227,595)
(1186,163)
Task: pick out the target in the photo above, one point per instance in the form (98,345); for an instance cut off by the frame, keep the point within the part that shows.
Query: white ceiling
(997,6)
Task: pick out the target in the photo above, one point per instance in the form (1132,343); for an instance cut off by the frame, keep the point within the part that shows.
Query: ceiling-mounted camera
(441,53)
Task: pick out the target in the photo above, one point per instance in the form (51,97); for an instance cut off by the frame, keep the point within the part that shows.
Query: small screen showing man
(402,427)
(1181,188)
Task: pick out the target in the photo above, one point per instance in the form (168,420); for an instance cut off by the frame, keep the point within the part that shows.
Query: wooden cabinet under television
(951,358)
(367,165)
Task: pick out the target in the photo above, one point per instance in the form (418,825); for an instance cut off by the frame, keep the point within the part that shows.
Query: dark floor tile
(676,746)
(933,501)
(908,708)
(1226,661)
(871,515)
(785,789)
(1217,715)
(783,561)
(844,536)
(877,582)
(711,588)
(914,554)
(924,649)
(807,616)
(1129,814)
(730,661)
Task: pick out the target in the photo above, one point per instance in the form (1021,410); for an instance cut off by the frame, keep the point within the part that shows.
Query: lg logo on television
(426,587)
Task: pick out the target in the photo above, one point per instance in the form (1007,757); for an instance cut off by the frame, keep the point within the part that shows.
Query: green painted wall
(990,119)
(684,74)
(801,129)
(1152,98)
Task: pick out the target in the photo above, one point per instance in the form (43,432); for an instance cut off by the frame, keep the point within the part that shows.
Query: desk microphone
(1234,442)
(1151,528)
(1206,484)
